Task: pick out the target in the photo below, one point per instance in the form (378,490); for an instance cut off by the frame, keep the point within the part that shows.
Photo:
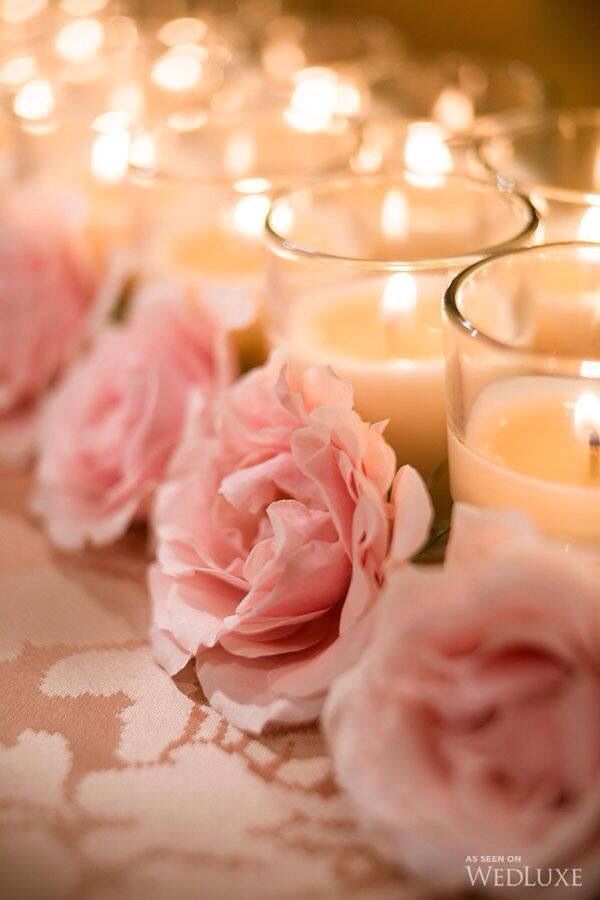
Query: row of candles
(400,186)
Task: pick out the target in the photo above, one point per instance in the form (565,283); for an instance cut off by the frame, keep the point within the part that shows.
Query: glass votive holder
(86,159)
(428,114)
(522,340)
(204,184)
(555,159)
(358,266)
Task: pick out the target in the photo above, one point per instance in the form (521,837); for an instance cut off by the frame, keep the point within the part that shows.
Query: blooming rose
(471,726)
(111,426)
(46,288)
(271,538)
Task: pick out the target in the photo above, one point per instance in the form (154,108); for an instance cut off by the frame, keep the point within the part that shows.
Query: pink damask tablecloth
(116,783)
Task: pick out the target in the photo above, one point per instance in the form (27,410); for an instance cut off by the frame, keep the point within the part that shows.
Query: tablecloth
(117,783)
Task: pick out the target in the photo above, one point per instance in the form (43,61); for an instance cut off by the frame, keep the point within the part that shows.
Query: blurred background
(558,38)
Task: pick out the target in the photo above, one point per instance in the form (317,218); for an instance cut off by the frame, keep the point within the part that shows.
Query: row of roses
(461,703)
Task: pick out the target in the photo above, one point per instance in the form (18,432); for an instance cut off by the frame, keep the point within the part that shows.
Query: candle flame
(399,297)
(426,151)
(314,99)
(454,110)
(180,69)
(249,215)
(394,215)
(587,417)
(589,227)
(80,40)
(35,101)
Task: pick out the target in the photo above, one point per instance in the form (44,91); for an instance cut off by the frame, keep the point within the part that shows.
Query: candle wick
(594,454)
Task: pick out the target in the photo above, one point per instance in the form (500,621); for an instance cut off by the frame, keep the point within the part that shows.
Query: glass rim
(140,174)
(538,122)
(465,326)
(276,241)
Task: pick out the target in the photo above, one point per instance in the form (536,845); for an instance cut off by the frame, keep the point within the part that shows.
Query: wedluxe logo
(509,871)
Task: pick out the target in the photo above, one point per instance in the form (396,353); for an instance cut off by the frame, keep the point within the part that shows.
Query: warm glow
(425,150)
(80,40)
(394,215)
(186,120)
(399,297)
(16,12)
(349,99)
(110,152)
(590,369)
(240,154)
(142,152)
(454,110)
(113,120)
(252,185)
(182,31)
(35,100)
(587,416)
(314,100)
(129,98)
(250,213)
(83,7)
(283,57)
(18,70)
(282,218)
(589,227)
(178,70)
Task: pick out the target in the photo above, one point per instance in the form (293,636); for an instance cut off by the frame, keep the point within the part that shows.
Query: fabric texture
(117,783)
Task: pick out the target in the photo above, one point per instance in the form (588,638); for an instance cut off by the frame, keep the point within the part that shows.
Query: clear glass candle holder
(204,184)
(429,112)
(555,159)
(522,341)
(358,266)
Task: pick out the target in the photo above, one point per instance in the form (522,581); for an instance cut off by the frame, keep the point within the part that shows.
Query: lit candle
(224,255)
(205,196)
(522,334)
(384,336)
(533,443)
(358,269)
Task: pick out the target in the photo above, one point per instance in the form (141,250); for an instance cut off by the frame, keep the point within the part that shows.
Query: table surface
(117,783)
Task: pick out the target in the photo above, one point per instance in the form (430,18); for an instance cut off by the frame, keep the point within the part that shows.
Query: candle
(224,255)
(384,336)
(533,443)
(522,334)
(204,194)
(358,268)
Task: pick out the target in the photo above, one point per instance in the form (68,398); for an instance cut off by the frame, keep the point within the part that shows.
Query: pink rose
(46,289)
(471,726)
(111,426)
(271,538)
